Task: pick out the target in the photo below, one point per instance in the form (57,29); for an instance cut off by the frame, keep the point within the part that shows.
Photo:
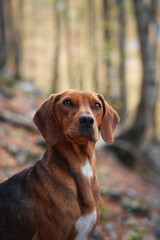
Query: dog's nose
(86,121)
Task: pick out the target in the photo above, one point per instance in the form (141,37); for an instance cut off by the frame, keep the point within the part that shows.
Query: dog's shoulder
(13,187)
(15,208)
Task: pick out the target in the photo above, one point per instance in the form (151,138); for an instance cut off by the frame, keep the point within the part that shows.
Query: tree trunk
(123,110)
(142,128)
(18,26)
(107,33)
(68,45)
(3,44)
(141,134)
(93,45)
(9,45)
(57,46)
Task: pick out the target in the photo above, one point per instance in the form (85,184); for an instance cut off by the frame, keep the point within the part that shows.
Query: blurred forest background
(108,46)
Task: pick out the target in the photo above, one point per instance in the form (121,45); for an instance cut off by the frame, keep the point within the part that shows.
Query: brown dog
(58,198)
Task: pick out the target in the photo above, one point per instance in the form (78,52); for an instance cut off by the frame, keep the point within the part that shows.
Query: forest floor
(131,197)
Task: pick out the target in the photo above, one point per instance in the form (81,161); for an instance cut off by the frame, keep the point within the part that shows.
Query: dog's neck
(76,154)
(79,162)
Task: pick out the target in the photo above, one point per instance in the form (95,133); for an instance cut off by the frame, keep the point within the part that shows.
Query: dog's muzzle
(86,126)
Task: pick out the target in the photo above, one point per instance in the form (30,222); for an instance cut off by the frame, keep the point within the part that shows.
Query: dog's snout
(86,121)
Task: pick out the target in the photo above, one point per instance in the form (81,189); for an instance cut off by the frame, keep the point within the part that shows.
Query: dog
(58,198)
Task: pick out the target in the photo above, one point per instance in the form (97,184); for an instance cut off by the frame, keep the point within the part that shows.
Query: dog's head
(78,116)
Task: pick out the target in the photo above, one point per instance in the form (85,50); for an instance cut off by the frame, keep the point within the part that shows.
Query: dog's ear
(46,121)
(109,121)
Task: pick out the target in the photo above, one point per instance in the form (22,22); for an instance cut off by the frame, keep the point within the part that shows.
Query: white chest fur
(87,170)
(85,224)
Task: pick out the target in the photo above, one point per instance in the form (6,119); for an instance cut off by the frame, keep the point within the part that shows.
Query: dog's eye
(67,103)
(97,106)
